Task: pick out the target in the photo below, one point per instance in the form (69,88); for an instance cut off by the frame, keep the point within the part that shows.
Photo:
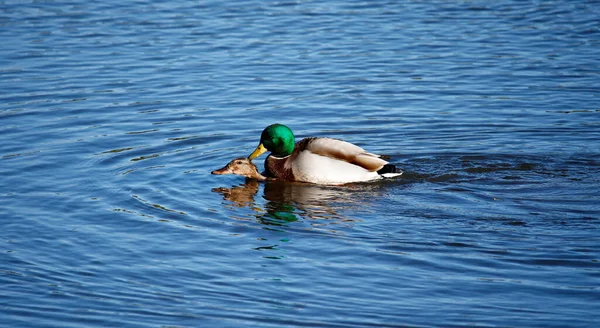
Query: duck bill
(257,152)
(224,170)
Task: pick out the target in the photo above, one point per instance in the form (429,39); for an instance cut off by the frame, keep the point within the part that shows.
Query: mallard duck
(318,160)
(241,166)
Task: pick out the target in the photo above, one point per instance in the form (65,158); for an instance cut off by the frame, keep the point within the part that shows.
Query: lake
(113,114)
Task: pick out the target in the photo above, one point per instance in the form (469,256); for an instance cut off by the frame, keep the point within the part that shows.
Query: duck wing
(342,151)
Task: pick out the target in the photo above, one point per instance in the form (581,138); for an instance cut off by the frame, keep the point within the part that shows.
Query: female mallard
(318,160)
(241,166)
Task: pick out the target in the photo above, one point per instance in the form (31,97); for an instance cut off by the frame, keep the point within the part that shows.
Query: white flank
(309,167)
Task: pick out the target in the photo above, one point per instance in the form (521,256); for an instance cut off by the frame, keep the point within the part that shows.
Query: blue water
(113,114)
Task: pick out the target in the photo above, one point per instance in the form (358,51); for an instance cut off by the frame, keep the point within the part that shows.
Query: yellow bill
(257,152)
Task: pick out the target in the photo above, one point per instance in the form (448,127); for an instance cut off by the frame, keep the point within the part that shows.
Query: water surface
(113,114)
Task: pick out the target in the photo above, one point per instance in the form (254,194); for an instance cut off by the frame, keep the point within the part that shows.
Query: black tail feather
(388,168)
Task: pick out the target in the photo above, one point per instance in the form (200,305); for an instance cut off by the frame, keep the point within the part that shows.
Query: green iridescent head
(276,138)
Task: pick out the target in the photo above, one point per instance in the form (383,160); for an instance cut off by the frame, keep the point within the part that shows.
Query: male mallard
(318,160)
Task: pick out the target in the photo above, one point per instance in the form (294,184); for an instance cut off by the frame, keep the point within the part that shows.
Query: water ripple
(114,114)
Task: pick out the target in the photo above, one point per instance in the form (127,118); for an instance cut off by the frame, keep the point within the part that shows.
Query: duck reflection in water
(286,201)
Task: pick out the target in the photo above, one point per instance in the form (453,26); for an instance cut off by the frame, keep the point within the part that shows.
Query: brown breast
(275,168)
